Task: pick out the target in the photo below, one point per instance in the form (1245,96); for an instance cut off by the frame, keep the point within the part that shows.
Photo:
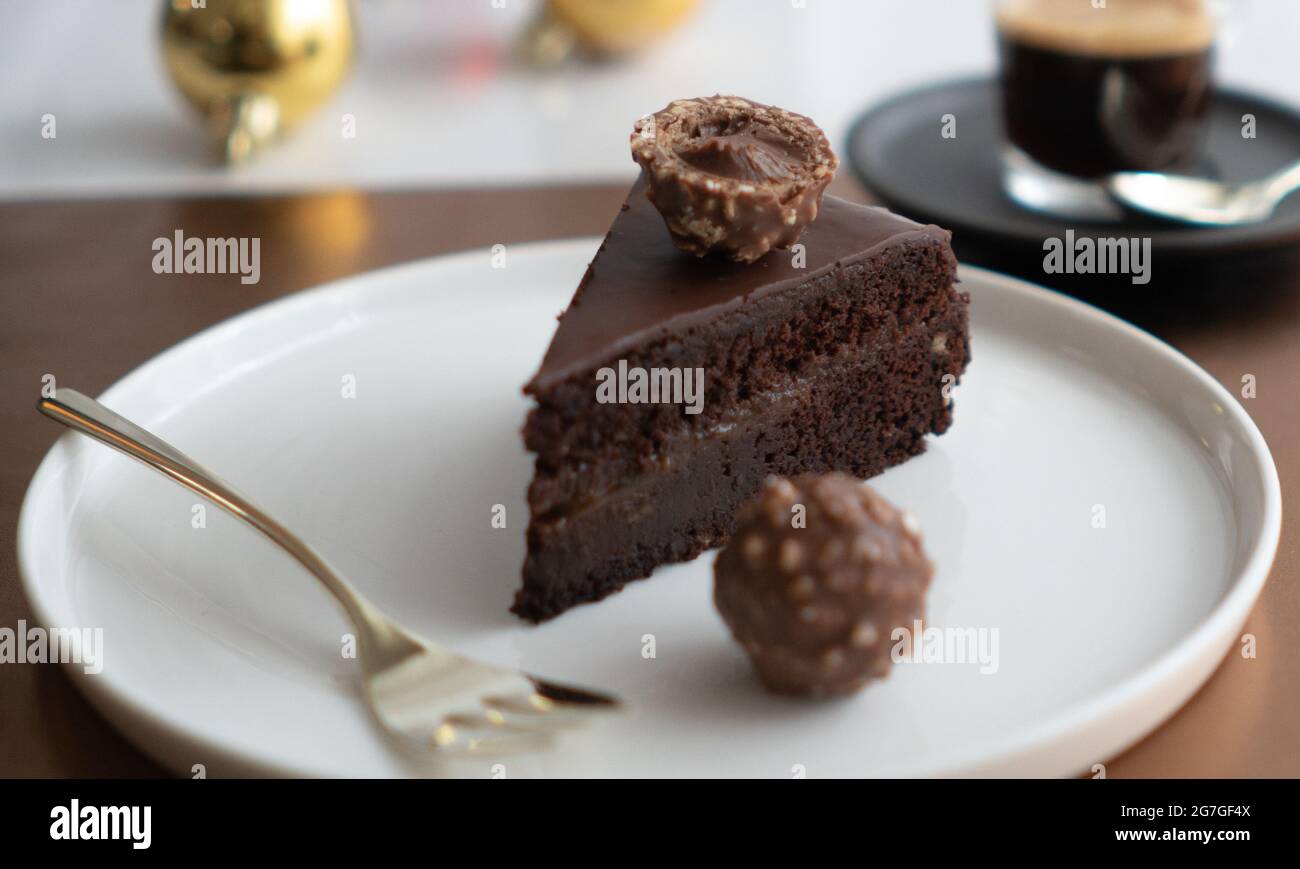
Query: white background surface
(426,117)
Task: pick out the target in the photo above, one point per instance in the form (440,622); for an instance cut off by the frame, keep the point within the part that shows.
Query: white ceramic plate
(219,651)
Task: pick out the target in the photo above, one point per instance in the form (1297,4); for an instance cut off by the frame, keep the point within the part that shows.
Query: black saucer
(897,151)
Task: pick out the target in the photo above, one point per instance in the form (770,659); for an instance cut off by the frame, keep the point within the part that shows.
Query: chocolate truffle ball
(732,176)
(820,571)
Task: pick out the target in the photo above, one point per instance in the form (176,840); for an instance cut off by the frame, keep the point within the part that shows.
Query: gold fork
(422,694)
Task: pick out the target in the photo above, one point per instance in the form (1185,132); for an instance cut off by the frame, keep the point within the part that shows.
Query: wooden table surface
(79,300)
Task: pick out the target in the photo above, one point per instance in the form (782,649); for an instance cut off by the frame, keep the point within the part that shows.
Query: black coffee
(1088,91)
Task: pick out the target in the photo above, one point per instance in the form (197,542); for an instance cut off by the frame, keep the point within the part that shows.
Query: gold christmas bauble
(601,27)
(256,68)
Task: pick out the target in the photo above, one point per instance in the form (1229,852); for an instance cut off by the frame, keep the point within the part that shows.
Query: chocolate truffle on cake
(733,176)
(819,573)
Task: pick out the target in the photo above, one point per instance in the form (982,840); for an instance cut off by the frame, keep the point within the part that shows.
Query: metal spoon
(1201,201)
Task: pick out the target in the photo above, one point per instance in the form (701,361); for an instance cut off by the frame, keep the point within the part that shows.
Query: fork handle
(83,414)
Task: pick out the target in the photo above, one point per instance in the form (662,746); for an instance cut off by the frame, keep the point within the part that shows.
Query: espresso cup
(1092,87)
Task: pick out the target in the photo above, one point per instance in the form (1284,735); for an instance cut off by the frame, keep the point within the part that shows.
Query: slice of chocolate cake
(831,356)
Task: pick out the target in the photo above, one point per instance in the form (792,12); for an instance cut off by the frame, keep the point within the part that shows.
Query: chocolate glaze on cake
(647,288)
(838,365)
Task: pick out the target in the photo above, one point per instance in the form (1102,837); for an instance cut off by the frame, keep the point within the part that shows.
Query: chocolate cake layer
(829,357)
(860,415)
(585,448)
(640,290)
